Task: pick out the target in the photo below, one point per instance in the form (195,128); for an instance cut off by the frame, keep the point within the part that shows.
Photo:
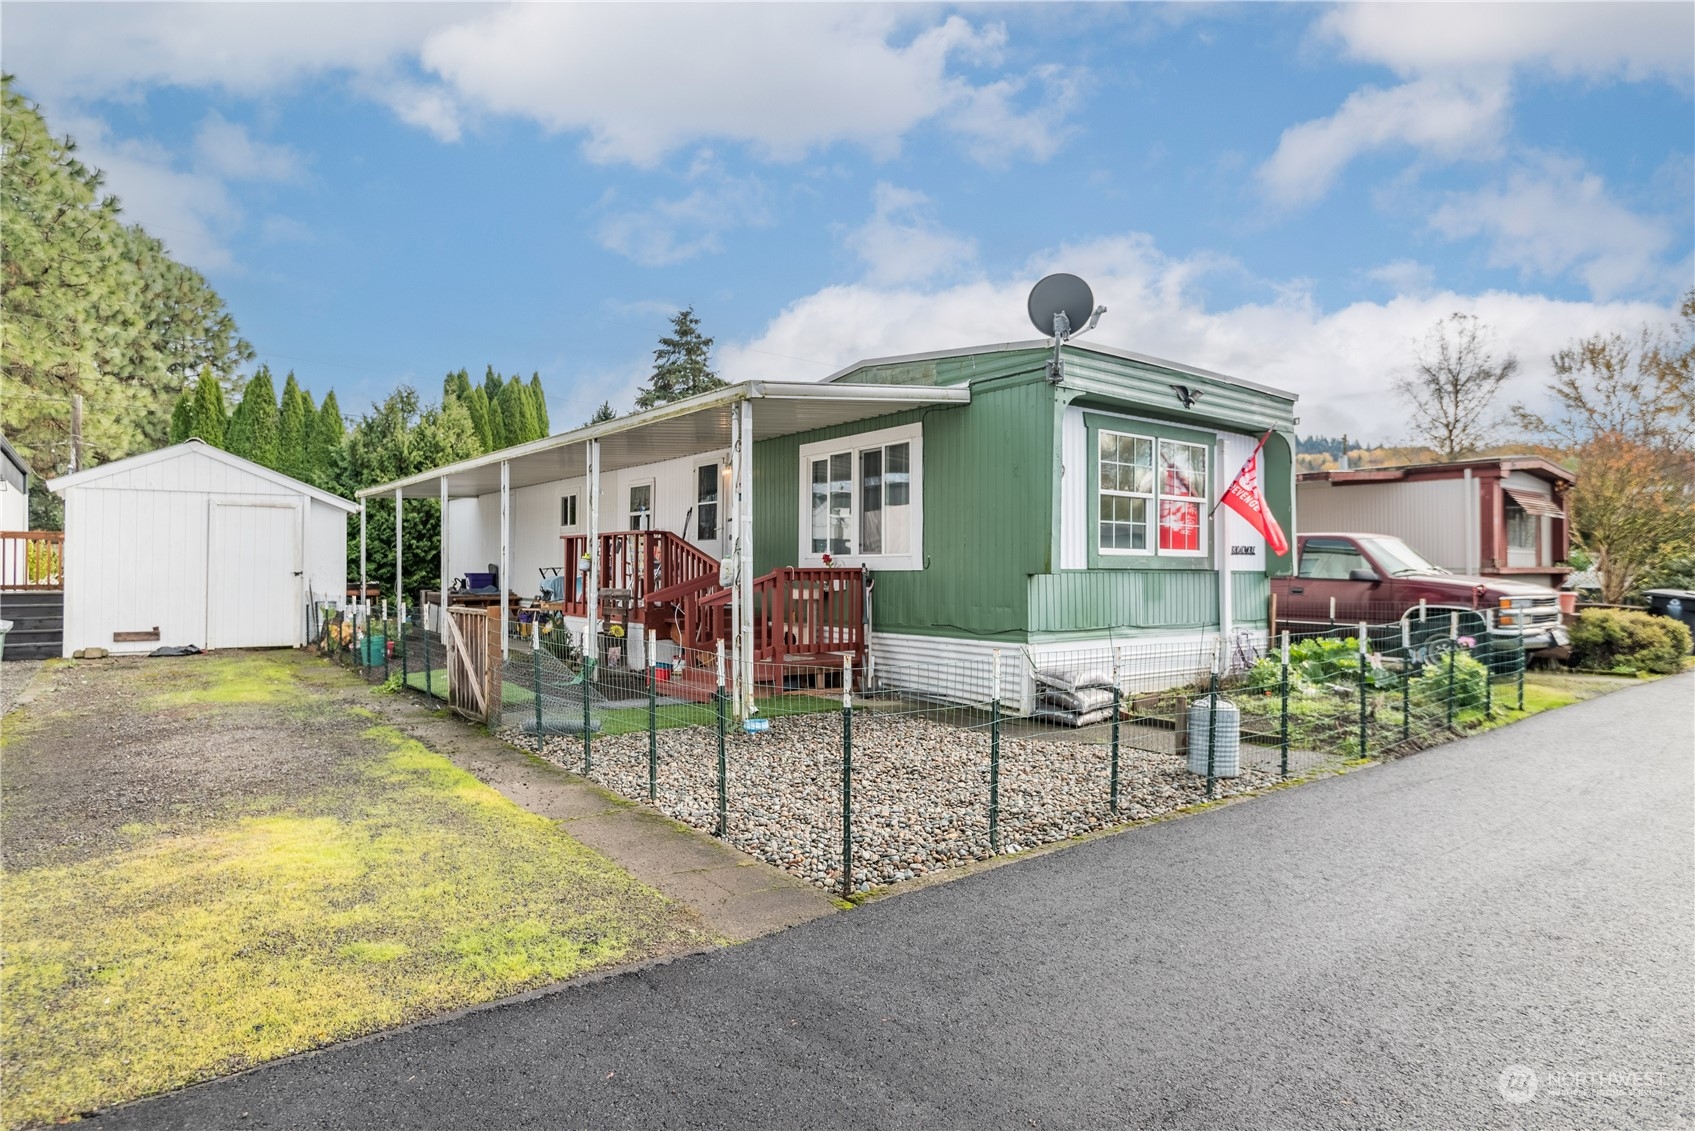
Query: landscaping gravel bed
(920,790)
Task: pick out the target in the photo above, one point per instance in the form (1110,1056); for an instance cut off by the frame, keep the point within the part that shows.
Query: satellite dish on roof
(1062,306)
(1060,296)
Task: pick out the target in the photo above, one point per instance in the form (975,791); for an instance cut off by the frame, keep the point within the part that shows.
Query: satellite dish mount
(1063,306)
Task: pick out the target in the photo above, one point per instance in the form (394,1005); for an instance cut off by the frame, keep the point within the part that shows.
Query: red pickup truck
(1344,579)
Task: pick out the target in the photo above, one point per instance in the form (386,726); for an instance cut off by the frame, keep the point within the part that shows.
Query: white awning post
(361,552)
(505,551)
(441,522)
(1221,551)
(591,580)
(742,497)
(399,564)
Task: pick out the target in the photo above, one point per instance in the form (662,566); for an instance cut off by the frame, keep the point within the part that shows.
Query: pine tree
(256,425)
(328,432)
(207,420)
(516,417)
(293,431)
(182,415)
(681,364)
(538,406)
(601,414)
(478,407)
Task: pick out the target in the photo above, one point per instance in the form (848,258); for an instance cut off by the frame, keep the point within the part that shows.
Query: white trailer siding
(1430,515)
(473,525)
(138,548)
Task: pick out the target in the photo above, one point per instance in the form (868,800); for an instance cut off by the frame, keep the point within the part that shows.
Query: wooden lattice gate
(467,662)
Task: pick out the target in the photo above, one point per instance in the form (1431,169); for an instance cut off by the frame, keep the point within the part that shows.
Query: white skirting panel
(959,669)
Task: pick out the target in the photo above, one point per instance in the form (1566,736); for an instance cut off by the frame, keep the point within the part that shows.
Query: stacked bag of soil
(1074,698)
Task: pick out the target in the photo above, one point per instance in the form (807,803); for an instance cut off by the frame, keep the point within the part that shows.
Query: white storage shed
(192,545)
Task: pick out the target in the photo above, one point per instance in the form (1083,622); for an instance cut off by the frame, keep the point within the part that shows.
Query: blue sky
(1289,193)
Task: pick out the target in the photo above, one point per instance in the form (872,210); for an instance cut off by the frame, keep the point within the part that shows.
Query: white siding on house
(1429,515)
(14,507)
(136,547)
(474,524)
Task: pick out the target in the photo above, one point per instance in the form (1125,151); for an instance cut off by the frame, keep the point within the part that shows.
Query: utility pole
(76,432)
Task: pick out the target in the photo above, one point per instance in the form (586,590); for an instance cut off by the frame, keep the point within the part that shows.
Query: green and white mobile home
(925,512)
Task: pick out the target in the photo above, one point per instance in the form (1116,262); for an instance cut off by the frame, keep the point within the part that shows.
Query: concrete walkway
(739,897)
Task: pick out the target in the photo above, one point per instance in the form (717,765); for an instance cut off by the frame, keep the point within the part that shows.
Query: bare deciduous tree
(1453,384)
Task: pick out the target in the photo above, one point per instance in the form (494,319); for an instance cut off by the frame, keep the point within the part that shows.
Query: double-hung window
(568,511)
(1152,495)
(860,499)
(706,503)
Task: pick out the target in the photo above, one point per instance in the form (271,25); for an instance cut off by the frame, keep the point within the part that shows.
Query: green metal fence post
(995,755)
(1212,724)
(588,720)
(1112,792)
(1453,646)
(1365,664)
(1283,724)
(652,722)
(847,777)
(1521,669)
(429,669)
(722,702)
(1489,665)
(535,686)
(405,675)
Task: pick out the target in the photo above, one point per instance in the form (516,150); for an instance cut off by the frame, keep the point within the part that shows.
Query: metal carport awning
(732,417)
(683,428)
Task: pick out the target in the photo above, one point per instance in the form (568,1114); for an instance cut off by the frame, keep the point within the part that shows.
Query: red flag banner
(1247,498)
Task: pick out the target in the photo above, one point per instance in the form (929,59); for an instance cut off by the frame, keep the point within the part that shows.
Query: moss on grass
(410,889)
(237,678)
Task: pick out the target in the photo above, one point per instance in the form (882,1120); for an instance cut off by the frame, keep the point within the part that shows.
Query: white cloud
(671,231)
(1556,217)
(642,80)
(1633,41)
(1404,276)
(902,243)
(192,213)
(1443,118)
(1340,362)
(284,229)
(225,149)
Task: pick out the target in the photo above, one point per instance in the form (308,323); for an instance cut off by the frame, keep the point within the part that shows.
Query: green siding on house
(992,499)
(987,481)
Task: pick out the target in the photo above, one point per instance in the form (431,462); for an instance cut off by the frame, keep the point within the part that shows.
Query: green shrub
(1430,686)
(1318,662)
(1627,642)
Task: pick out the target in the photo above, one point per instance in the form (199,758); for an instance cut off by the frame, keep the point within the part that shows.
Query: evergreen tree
(476,404)
(681,364)
(517,419)
(294,430)
(182,415)
(538,406)
(207,420)
(601,414)
(328,433)
(256,426)
(497,428)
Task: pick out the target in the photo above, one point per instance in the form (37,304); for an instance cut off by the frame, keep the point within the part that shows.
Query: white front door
(253,576)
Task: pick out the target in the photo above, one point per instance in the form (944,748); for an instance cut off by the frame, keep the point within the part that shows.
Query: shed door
(253,576)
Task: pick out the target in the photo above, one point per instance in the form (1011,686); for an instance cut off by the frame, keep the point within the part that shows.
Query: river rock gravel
(920,790)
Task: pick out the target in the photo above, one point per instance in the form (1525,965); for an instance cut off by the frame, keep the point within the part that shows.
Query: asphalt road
(1366,951)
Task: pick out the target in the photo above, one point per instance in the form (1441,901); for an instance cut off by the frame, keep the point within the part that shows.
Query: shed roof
(12,456)
(1534,465)
(682,428)
(197,447)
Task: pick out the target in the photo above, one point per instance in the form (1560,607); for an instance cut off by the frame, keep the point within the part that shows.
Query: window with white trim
(1151,495)
(641,506)
(860,500)
(706,502)
(568,511)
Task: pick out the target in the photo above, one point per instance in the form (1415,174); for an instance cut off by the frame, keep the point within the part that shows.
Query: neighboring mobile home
(192,545)
(1500,516)
(970,503)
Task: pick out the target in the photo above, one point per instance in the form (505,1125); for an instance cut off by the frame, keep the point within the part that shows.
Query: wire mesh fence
(852,774)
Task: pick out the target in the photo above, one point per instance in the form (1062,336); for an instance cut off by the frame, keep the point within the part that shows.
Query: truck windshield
(1399,558)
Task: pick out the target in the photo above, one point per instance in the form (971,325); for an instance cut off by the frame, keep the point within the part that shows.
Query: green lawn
(383,886)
